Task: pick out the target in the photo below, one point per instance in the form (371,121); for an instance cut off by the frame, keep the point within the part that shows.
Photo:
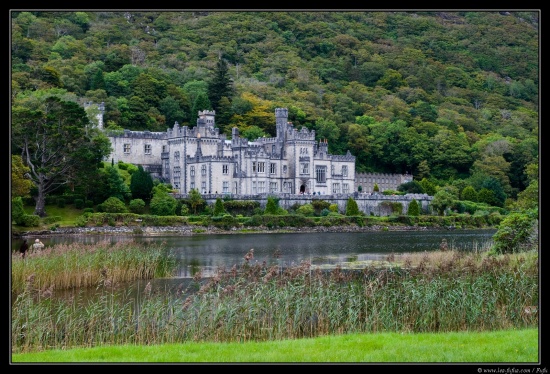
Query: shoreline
(189,230)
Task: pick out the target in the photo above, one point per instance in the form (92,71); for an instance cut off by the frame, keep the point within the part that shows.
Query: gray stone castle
(201,158)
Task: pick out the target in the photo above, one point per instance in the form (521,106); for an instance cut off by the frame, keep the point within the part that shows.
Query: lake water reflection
(207,253)
(210,252)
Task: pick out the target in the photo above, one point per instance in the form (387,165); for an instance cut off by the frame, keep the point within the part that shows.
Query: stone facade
(201,158)
(383,180)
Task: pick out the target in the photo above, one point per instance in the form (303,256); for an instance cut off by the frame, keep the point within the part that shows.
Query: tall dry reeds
(428,293)
(69,266)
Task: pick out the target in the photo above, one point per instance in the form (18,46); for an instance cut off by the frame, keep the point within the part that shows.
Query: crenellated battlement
(138,135)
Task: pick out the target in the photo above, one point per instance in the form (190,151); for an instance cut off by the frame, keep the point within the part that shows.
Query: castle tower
(281,121)
(206,118)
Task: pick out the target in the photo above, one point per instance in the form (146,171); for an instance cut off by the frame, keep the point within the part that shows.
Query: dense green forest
(451,97)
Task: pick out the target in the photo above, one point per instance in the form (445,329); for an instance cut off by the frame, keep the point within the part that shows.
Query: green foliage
(376,188)
(414,208)
(141,184)
(529,198)
(487,196)
(220,85)
(410,187)
(137,206)
(79,203)
(333,208)
(113,205)
(319,205)
(116,185)
(441,201)
(306,210)
(60,202)
(51,219)
(30,220)
(195,200)
(52,132)
(517,232)
(351,208)
(17,211)
(428,187)
(20,185)
(163,204)
(469,193)
(218,207)
(272,205)
(236,207)
(391,208)
(392,192)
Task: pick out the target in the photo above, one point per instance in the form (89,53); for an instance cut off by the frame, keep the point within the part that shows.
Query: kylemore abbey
(202,158)
(291,164)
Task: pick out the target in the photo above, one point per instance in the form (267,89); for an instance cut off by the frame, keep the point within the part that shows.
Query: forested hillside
(451,97)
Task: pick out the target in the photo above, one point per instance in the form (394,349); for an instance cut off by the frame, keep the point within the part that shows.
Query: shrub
(17,211)
(60,202)
(51,219)
(240,207)
(31,220)
(137,206)
(306,210)
(79,203)
(469,193)
(319,205)
(163,204)
(515,233)
(113,205)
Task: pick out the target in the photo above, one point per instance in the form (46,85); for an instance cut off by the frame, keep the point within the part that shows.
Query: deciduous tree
(55,141)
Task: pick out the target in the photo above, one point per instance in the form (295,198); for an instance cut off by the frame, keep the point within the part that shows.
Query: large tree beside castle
(56,142)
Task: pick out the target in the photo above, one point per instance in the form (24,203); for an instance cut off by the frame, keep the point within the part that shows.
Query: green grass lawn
(510,346)
(68,215)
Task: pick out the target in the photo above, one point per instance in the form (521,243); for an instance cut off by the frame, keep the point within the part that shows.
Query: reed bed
(454,291)
(69,266)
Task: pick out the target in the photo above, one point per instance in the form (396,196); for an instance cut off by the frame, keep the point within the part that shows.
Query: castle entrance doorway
(302,189)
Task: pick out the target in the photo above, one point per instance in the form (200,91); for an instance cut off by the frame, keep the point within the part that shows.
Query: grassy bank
(511,346)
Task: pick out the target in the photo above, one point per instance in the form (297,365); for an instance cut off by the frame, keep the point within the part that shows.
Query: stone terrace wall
(367,203)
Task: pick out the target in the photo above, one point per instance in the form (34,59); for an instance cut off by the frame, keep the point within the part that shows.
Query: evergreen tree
(141,184)
(97,82)
(272,205)
(414,208)
(201,103)
(220,85)
(218,207)
(351,208)
(117,186)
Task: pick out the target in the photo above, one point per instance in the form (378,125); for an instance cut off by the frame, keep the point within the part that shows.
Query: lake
(210,252)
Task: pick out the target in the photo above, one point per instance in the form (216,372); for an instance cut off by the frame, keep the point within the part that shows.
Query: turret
(281,122)
(206,118)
